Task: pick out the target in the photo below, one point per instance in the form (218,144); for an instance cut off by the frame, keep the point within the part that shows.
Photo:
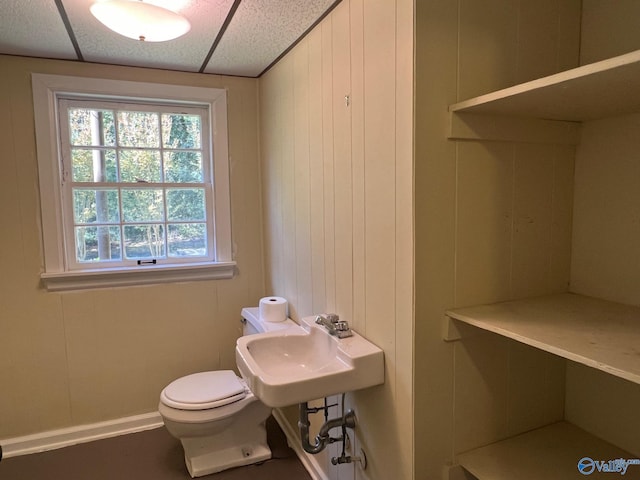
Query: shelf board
(607,88)
(549,453)
(597,333)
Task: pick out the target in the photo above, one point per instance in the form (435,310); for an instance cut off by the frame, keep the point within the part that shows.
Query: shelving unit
(600,334)
(549,453)
(597,333)
(602,89)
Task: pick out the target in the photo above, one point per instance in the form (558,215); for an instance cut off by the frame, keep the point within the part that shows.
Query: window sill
(123,277)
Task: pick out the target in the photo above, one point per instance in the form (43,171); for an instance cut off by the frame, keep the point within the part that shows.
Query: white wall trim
(455,472)
(64,437)
(122,277)
(61,269)
(309,461)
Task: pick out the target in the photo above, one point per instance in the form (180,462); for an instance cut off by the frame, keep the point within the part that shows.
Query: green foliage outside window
(121,164)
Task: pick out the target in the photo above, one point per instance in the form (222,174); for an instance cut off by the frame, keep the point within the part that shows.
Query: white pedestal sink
(305,362)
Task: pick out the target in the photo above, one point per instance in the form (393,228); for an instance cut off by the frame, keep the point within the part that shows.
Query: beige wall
(605,261)
(606,230)
(82,357)
(493,222)
(338,202)
(608,29)
(606,227)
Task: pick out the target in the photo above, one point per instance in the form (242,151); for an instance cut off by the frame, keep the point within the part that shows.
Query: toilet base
(218,460)
(243,445)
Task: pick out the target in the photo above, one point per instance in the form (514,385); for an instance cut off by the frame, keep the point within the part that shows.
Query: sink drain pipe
(347,420)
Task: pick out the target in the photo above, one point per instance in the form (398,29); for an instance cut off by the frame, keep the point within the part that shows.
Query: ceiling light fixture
(140,20)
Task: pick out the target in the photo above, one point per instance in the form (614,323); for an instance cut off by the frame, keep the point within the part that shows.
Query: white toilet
(219,421)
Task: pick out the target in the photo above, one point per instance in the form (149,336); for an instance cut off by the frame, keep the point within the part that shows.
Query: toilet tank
(252,323)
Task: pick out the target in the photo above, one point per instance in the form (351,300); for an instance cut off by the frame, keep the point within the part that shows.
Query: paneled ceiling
(230,37)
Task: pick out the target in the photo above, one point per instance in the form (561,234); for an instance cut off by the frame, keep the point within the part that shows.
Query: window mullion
(65,143)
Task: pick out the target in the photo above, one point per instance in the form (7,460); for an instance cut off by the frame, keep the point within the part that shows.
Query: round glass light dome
(140,21)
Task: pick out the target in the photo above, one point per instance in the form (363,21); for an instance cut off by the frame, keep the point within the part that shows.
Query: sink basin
(305,362)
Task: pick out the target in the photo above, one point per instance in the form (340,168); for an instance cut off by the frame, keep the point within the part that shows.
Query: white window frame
(67,103)
(57,275)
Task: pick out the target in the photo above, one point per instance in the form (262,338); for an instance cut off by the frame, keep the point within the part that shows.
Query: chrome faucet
(335,326)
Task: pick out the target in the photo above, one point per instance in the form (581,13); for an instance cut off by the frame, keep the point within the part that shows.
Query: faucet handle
(327,319)
(342,329)
(342,326)
(332,317)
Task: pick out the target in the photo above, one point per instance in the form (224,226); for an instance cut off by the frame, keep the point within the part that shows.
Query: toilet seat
(204,390)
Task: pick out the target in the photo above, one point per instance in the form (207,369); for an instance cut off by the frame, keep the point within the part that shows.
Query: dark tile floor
(150,455)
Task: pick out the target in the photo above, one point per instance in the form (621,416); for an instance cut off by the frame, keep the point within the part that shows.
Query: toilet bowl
(216,417)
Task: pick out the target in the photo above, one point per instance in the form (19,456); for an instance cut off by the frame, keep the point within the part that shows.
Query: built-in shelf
(549,453)
(597,90)
(597,333)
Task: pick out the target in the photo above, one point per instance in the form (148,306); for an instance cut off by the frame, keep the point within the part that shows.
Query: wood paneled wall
(336,147)
(605,263)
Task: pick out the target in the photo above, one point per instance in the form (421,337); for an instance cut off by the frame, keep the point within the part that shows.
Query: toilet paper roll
(273,309)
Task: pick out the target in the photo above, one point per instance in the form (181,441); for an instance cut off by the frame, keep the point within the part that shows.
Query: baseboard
(309,461)
(456,472)
(64,437)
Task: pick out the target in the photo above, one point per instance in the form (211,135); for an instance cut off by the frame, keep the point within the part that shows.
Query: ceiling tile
(33,28)
(187,53)
(260,31)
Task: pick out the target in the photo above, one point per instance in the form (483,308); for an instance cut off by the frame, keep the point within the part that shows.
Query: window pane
(183,167)
(94,165)
(144,205)
(140,166)
(98,244)
(185,204)
(95,206)
(180,131)
(138,129)
(144,241)
(91,127)
(187,240)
